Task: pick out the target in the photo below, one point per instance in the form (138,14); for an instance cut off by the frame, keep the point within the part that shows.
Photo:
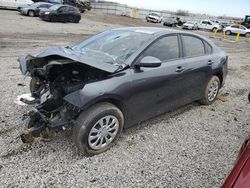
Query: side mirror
(150,61)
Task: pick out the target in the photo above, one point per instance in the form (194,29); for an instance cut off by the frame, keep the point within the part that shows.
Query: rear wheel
(214,29)
(228,32)
(98,128)
(211,91)
(31,13)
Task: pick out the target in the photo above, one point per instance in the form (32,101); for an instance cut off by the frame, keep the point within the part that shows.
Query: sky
(235,8)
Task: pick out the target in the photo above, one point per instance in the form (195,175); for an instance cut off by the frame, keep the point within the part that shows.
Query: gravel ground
(194,146)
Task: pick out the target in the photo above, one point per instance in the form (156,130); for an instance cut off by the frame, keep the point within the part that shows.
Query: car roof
(159,31)
(62,5)
(41,3)
(155,30)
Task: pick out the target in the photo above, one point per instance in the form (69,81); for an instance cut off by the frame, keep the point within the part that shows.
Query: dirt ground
(194,146)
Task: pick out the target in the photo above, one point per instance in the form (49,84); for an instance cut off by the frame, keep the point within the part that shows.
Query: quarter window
(208,48)
(193,46)
(165,49)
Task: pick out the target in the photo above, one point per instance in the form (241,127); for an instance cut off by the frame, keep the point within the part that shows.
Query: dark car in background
(49,1)
(61,13)
(118,78)
(172,22)
(34,9)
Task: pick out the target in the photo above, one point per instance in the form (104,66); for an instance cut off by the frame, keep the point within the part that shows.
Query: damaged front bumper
(40,123)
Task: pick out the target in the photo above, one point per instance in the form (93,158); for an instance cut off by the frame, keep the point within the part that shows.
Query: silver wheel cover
(103,132)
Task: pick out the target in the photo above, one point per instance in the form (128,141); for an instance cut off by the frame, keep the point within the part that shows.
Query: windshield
(155,14)
(114,46)
(54,7)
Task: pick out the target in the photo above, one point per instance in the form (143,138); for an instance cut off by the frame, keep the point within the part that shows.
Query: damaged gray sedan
(117,79)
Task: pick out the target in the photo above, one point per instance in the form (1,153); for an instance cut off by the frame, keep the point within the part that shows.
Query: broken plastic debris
(26,96)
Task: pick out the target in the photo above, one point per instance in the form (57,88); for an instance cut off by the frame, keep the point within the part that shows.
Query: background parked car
(34,9)
(154,17)
(240,174)
(233,29)
(224,24)
(61,13)
(172,22)
(190,25)
(48,1)
(209,25)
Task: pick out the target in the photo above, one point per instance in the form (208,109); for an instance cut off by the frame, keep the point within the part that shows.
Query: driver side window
(165,49)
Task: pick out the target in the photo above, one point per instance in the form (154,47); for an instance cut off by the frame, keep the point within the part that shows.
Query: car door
(203,25)
(242,30)
(71,13)
(157,90)
(63,14)
(199,60)
(234,29)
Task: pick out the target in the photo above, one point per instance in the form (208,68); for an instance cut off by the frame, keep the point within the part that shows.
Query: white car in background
(209,25)
(14,3)
(154,17)
(190,25)
(234,29)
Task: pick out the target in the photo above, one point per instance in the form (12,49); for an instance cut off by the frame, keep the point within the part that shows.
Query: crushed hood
(67,53)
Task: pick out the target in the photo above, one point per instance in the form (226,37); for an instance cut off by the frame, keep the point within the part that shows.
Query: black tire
(88,119)
(31,13)
(214,29)
(205,100)
(228,32)
(247,35)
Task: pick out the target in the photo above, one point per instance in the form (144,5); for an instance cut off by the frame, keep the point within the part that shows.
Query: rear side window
(208,48)
(71,9)
(193,46)
(165,49)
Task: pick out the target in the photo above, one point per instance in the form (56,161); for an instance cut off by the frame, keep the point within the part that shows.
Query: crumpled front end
(53,77)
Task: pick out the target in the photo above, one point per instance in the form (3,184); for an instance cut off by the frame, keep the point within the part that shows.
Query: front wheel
(228,32)
(98,128)
(211,91)
(31,13)
(214,29)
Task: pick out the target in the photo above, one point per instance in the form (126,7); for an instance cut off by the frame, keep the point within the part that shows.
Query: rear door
(235,28)
(63,14)
(199,61)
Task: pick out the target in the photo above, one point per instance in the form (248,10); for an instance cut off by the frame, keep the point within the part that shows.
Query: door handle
(179,69)
(210,62)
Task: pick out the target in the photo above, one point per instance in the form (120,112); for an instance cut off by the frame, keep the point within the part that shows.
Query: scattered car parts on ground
(114,80)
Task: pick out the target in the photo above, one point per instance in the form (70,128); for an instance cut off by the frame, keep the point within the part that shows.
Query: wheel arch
(219,74)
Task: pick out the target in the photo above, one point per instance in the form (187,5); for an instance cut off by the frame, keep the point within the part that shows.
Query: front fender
(89,95)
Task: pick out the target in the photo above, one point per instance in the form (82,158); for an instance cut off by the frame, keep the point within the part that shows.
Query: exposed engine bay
(51,80)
